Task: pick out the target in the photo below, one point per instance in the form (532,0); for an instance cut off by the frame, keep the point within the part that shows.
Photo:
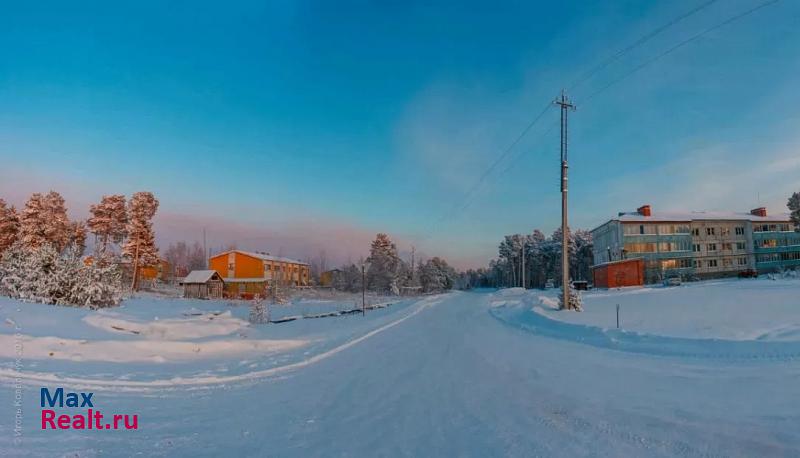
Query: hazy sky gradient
(295,127)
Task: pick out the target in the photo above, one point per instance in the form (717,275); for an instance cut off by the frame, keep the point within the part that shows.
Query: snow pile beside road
(733,309)
(132,351)
(512,292)
(549,302)
(731,319)
(191,327)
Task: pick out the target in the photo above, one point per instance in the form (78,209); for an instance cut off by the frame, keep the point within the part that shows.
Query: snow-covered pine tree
(97,286)
(794,208)
(384,263)
(437,275)
(141,239)
(44,275)
(44,220)
(31,222)
(77,235)
(575,300)
(57,229)
(9,226)
(259,312)
(108,222)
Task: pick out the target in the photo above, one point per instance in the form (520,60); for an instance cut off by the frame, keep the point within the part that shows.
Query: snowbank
(732,319)
(126,351)
(511,292)
(734,309)
(191,327)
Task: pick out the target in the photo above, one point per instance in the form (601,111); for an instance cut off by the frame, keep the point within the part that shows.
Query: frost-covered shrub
(44,275)
(575,300)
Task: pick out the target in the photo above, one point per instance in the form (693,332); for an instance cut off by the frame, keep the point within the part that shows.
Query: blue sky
(301,126)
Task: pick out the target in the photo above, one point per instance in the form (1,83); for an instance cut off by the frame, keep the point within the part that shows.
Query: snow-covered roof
(700,216)
(245,280)
(263,256)
(618,261)
(199,276)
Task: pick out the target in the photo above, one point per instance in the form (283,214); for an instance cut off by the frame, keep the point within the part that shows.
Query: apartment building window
(727,246)
(782,227)
(684,263)
(741,246)
(742,261)
(696,247)
(727,262)
(712,247)
(673,229)
(640,247)
(712,263)
(710,231)
(695,263)
(724,231)
(771,257)
(696,232)
(739,230)
(673,246)
(774,257)
(639,229)
(767,243)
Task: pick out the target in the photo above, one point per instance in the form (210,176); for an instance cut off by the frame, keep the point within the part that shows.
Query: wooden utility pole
(566,106)
(363,290)
(413,277)
(205,248)
(135,266)
(523,263)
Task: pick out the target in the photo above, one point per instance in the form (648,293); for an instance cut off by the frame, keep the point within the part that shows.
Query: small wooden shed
(203,284)
(616,274)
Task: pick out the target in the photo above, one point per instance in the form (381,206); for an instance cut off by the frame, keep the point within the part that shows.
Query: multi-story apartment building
(699,244)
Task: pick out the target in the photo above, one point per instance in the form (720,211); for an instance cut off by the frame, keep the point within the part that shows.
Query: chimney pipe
(644,210)
(760,211)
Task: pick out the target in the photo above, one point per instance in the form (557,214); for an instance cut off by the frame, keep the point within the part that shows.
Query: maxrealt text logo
(91,418)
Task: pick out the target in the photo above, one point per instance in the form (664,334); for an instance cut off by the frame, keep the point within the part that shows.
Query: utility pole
(523,263)
(413,276)
(134,282)
(566,106)
(363,290)
(205,248)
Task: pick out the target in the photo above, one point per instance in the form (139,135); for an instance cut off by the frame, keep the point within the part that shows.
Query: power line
(467,200)
(643,39)
(674,48)
(487,172)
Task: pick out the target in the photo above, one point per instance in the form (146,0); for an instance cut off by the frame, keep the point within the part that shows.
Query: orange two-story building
(246,272)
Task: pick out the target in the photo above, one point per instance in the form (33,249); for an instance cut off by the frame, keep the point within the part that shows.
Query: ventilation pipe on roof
(644,210)
(760,211)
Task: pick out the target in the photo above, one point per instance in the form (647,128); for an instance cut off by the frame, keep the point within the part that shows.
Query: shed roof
(201,276)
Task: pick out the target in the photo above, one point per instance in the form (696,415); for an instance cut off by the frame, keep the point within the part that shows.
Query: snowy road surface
(453,380)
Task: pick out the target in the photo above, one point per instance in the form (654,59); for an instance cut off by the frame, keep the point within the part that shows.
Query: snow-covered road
(452,380)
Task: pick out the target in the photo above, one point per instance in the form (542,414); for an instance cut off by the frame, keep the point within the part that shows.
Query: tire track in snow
(10,376)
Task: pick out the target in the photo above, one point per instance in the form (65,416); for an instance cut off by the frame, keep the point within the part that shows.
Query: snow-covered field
(733,309)
(706,369)
(154,339)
